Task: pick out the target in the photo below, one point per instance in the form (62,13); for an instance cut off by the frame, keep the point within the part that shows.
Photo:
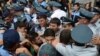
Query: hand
(23,50)
(23,42)
(20,50)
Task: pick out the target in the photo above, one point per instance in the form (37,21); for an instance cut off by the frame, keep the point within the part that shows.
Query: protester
(32,43)
(43,24)
(21,29)
(48,28)
(47,48)
(55,25)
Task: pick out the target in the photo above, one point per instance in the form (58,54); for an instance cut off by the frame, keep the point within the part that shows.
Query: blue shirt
(75,15)
(4,52)
(36,4)
(28,17)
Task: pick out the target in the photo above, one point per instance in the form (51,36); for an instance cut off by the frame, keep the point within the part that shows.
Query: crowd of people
(49,28)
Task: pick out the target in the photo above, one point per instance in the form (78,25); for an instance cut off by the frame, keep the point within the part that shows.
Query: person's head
(54,8)
(35,38)
(42,19)
(84,20)
(21,27)
(19,9)
(54,5)
(54,24)
(65,36)
(9,18)
(49,35)
(88,5)
(29,2)
(10,40)
(95,18)
(69,25)
(81,20)
(49,8)
(76,6)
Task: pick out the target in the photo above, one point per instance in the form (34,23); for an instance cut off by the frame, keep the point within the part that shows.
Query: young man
(55,25)
(43,24)
(67,23)
(85,17)
(34,42)
(83,20)
(8,19)
(75,13)
(21,29)
(47,49)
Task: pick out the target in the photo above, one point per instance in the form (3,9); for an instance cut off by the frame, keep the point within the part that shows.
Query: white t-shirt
(93,27)
(58,14)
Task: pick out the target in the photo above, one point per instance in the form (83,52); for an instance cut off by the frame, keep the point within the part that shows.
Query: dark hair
(30,1)
(72,24)
(49,32)
(21,24)
(55,21)
(89,6)
(65,36)
(42,16)
(78,4)
(32,36)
